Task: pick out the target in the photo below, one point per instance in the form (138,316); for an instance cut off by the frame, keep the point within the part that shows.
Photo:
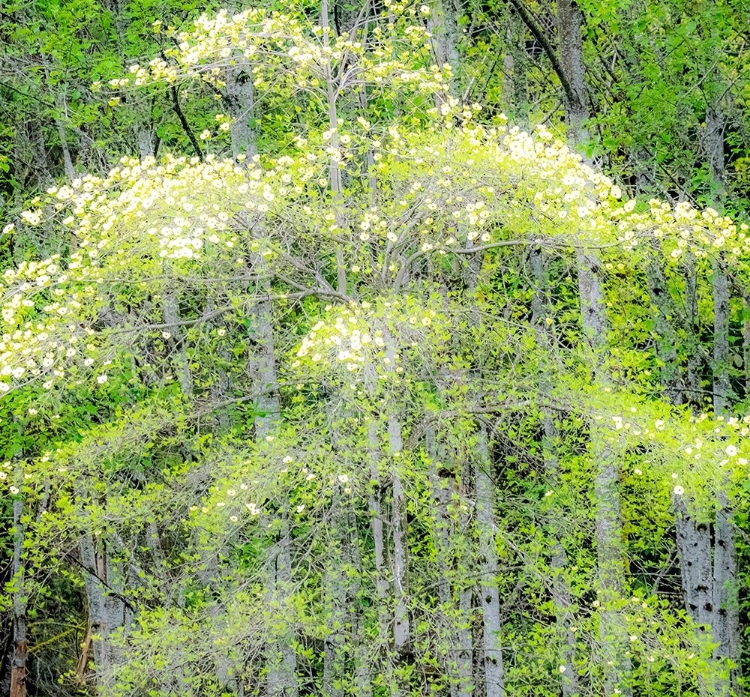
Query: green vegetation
(374,348)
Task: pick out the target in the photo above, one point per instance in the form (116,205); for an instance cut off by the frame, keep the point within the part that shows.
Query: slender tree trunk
(725,592)
(20,646)
(333,645)
(335,582)
(665,317)
(455,607)
(361,650)
(444,29)
(182,364)
(107,611)
(240,97)
(401,623)
(491,654)
(726,600)
(609,533)
(282,661)
(398,527)
(70,171)
(694,386)
(561,595)
(262,364)
(516,85)
(570,40)
(722,387)
(746,342)
(491,651)
(375,506)
(693,537)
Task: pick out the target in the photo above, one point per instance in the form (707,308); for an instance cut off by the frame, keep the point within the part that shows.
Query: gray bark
(665,318)
(362,656)
(609,535)
(70,171)
(240,97)
(570,40)
(491,651)
(335,588)
(722,387)
(262,365)
(377,513)
(726,602)
(516,84)
(335,580)
(726,625)
(107,611)
(713,146)
(181,362)
(444,28)
(455,617)
(20,645)
(561,595)
(693,537)
(694,548)
(281,678)
(694,393)
(145,142)
(398,518)
(464,644)
(725,591)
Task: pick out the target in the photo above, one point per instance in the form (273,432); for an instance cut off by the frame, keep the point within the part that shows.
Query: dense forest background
(374,348)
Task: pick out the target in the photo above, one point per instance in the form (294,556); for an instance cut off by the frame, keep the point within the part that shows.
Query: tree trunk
(173,334)
(516,84)
(20,646)
(726,599)
(398,520)
(361,651)
(375,506)
(694,386)
(561,595)
(746,342)
(240,97)
(401,623)
(722,387)
(609,533)
(444,29)
(335,583)
(726,627)
(282,661)
(70,171)
(570,41)
(144,137)
(665,317)
(693,538)
(107,611)
(454,617)
(491,651)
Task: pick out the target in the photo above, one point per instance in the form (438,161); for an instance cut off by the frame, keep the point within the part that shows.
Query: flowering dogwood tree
(344,439)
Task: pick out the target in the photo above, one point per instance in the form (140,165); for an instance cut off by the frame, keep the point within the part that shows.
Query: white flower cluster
(347,338)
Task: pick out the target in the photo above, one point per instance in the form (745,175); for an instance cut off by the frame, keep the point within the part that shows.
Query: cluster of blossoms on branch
(456,188)
(365,337)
